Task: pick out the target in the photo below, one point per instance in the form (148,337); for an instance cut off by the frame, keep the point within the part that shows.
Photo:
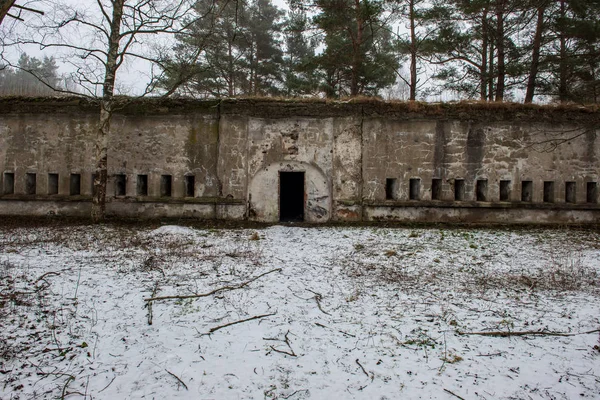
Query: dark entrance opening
(291,196)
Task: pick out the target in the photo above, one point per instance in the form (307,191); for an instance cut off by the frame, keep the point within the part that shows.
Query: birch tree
(97,39)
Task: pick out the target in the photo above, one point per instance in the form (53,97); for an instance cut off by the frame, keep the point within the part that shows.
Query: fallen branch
(287,353)
(364,370)
(216,328)
(297,391)
(526,333)
(46,275)
(221,289)
(178,379)
(489,355)
(150,303)
(340,331)
(64,389)
(454,394)
(290,353)
(109,383)
(318,297)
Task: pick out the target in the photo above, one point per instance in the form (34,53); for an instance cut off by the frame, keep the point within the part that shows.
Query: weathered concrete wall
(476,151)
(175,145)
(300,145)
(358,159)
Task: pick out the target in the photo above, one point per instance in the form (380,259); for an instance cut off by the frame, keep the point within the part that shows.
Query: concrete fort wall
(358,161)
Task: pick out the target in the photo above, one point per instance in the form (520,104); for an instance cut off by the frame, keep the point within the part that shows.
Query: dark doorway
(291,196)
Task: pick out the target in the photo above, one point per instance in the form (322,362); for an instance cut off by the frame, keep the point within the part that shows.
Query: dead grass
(563,273)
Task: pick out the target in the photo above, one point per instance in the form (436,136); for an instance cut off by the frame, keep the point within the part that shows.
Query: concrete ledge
(481,215)
(129,200)
(485,205)
(223,210)
(46,208)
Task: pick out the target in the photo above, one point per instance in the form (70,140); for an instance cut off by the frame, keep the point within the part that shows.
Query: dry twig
(526,333)
(64,389)
(178,379)
(340,331)
(453,394)
(216,328)
(109,383)
(221,289)
(318,297)
(150,303)
(290,353)
(372,376)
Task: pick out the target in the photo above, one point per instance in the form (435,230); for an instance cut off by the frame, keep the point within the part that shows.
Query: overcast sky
(133,75)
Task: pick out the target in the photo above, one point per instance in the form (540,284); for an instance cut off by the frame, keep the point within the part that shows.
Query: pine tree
(416,45)
(358,58)
(263,55)
(239,51)
(31,77)
(301,75)
(573,64)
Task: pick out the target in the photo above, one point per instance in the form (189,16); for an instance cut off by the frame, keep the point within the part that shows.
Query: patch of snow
(298,313)
(172,230)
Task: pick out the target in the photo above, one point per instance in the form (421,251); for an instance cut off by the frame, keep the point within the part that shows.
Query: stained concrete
(236,150)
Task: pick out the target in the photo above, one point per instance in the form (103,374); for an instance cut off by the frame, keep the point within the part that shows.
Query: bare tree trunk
(101,171)
(484,53)
(490,73)
(535,56)
(356,47)
(253,66)
(562,85)
(106,110)
(413,52)
(230,72)
(5,6)
(501,56)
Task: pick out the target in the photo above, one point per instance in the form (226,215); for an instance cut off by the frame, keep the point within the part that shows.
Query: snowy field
(299,313)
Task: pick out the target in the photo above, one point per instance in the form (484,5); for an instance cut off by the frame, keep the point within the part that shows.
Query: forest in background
(490,50)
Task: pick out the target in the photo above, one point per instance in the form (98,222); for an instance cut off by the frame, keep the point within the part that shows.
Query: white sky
(133,75)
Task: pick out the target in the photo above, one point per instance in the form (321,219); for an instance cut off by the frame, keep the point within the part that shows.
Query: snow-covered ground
(298,313)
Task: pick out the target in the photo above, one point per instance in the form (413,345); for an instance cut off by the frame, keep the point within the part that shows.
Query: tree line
(492,50)
(22,81)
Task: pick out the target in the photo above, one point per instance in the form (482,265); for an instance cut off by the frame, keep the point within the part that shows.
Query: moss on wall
(285,108)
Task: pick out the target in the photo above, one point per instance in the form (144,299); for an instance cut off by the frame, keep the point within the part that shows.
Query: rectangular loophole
(414,192)
(142,185)
(166,182)
(75,185)
(120,185)
(505,190)
(391,188)
(481,188)
(30,183)
(436,189)
(459,189)
(190,185)
(9,183)
(548,192)
(592,192)
(52,183)
(570,192)
(526,191)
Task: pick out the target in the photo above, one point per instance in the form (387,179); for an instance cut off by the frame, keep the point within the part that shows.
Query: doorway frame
(303,193)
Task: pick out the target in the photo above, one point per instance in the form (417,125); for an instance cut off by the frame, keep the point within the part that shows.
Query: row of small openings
(31,184)
(481,189)
(166,183)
